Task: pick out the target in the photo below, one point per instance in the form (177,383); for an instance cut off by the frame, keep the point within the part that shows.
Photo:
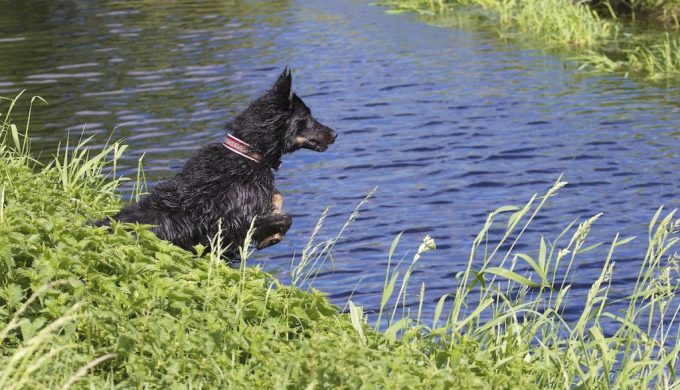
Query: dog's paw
(269,241)
(271,228)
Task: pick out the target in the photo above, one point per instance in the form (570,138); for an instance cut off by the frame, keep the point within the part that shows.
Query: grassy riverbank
(88,307)
(98,308)
(604,35)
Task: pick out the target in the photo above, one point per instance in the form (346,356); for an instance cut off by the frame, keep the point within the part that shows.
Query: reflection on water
(449,124)
(165,76)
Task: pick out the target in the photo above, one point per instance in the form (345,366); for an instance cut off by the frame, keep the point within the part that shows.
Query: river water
(449,124)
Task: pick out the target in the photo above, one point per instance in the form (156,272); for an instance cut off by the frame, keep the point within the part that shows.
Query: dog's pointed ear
(282,87)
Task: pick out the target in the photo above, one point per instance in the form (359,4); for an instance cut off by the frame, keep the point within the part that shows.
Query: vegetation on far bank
(88,307)
(605,35)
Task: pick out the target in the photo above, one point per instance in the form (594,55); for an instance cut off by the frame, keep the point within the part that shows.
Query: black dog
(231,183)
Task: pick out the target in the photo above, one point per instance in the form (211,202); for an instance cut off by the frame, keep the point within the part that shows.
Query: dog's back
(213,185)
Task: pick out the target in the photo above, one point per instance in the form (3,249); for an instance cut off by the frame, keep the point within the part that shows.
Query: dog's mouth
(320,142)
(315,145)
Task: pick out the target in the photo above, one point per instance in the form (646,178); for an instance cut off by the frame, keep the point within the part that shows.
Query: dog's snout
(334,135)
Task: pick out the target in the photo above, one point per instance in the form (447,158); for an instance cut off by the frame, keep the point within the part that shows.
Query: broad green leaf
(541,254)
(389,289)
(590,247)
(505,209)
(356,314)
(538,269)
(475,313)
(394,244)
(512,276)
(625,241)
(438,310)
(391,332)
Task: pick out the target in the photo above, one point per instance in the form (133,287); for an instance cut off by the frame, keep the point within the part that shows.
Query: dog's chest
(246,197)
(228,185)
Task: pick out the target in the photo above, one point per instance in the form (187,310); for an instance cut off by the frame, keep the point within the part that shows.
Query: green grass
(587,30)
(122,308)
(558,23)
(658,61)
(85,307)
(665,11)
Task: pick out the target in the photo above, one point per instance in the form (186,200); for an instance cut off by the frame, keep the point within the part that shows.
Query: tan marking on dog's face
(299,140)
(277,201)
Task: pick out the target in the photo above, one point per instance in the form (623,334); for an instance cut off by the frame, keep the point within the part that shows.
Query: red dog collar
(241,148)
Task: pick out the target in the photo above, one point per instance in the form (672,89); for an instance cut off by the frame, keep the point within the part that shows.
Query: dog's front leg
(270,228)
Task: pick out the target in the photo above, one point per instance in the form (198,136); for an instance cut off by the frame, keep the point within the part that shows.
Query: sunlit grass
(661,60)
(657,61)
(139,312)
(563,23)
(91,307)
(666,11)
(556,22)
(421,6)
(43,346)
(577,28)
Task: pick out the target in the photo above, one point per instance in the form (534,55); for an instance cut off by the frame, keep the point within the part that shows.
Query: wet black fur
(217,185)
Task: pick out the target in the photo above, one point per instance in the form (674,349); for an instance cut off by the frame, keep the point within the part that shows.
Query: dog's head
(279,122)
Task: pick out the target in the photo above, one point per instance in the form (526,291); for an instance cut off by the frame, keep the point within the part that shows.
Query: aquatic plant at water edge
(580,28)
(658,61)
(556,22)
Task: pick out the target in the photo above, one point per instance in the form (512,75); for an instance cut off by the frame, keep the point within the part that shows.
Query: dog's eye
(301,125)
